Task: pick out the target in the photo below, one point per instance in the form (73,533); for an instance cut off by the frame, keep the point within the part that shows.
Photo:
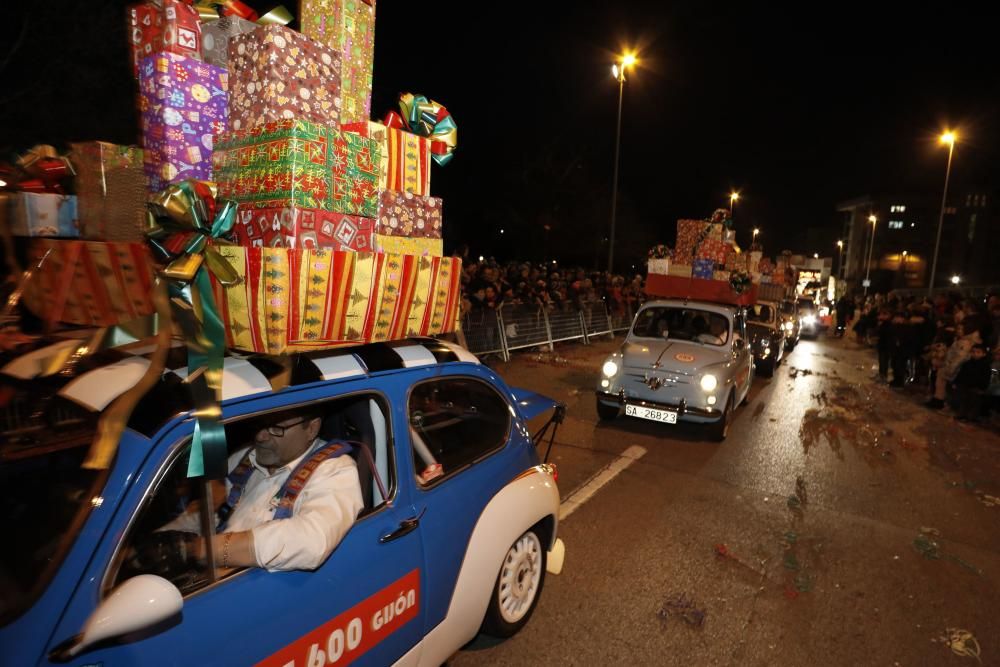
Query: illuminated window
(895,224)
(897,208)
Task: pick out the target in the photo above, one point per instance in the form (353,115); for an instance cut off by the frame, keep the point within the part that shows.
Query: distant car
(681,361)
(809,324)
(789,314)
(767,338)
(430,561)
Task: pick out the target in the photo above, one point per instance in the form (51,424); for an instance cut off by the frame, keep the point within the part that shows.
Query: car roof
(105,376)
(721,308)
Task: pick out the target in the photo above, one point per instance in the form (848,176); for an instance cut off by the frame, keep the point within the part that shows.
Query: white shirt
(322,514)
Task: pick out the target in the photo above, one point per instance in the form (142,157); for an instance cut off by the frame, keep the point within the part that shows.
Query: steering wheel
(169,553)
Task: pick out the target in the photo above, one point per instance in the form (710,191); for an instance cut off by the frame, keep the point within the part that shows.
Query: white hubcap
(519,577)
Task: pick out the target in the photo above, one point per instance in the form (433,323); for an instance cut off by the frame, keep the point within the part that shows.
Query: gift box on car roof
(405,157)
(276,73)
(297,163)
(296,227)
(347,27)
(111,189)
(163,26)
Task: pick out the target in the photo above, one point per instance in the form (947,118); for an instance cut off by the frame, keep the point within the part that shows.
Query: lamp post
(840,258)
(753,241)
(868,265)
(902,265)
(733,198)
(946,138)
(618,70)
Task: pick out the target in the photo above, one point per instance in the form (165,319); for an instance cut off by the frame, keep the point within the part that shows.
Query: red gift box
(296,227)
(164,25)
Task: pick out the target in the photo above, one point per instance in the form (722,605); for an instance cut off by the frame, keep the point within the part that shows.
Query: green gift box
(297,163)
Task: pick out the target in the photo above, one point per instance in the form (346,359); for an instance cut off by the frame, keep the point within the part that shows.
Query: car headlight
(709,382)
(610,368)
(809,319)
(789,326)
(767,351)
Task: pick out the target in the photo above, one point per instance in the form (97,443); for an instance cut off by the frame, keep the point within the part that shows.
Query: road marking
(582,494)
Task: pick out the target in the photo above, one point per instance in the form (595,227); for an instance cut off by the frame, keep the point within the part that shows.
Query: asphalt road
(841,523)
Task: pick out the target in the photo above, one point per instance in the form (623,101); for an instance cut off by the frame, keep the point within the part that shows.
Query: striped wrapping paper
(406,157)
(91,283)
(309,299)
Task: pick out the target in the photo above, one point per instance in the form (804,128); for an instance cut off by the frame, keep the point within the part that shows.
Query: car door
(742,356)
(466,423)
(365,604)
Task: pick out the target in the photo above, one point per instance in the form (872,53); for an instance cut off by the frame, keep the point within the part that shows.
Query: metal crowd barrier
(518,327)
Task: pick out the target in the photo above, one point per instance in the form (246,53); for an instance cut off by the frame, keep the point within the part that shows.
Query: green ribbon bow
(186,223)
(427,118)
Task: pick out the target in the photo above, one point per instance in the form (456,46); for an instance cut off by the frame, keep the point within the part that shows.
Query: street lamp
(840,260)
(868,265)
(733,198)
(618,70)
(946,138)
(753,242)
(956,280)
(902,265)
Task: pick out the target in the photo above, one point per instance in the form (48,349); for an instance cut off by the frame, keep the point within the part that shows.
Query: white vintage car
(682,360)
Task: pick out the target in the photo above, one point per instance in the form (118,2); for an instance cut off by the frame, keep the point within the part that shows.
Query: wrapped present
(90,283)
(183,104)
(661,266)
(293,227)
(778,277)
(712,249)
(347,27)
(406,157)
(703,268)
(720,275)
(403,245)
(718,291)
(111,191)
(277,73)
(679,270)
(754,259)
(42,214)
(215,36)
(689,233)
(735,261)
(289,300)
(765,266)
(164,26)
(297,163)
(404,214)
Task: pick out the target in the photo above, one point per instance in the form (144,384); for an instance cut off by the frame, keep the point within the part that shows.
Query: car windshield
(45,493)
(678,323)
(760,313)
(788,308)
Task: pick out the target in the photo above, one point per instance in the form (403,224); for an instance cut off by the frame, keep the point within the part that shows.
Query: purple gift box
(183,103)
(703,268)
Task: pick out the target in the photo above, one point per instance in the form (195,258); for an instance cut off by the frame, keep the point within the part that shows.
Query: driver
(270,522)
(715,334)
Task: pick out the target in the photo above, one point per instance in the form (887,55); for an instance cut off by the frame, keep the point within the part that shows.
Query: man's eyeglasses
(279,431)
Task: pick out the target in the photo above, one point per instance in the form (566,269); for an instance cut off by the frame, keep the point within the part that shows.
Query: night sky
(795,108)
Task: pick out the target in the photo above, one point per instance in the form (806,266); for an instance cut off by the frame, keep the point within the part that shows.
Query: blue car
(458,527)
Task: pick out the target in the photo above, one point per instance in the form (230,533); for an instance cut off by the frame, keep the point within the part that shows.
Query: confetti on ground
(680,605)
(962,643)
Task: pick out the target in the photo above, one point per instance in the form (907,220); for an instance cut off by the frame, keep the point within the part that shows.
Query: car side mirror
(138,604)
(739,344)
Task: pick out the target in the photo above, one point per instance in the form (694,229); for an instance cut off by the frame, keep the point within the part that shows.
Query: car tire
(607,412)
(720,429)
(518,587)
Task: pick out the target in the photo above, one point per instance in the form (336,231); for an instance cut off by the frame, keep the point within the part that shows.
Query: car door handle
(406,526)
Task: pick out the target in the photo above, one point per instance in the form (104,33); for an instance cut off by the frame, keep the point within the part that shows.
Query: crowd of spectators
(488,285)
(950,344)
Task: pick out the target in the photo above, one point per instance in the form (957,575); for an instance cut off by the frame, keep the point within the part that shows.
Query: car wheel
(606,412)
(720,429)
(518,587)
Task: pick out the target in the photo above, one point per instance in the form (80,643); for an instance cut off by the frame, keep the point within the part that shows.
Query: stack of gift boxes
(279,120)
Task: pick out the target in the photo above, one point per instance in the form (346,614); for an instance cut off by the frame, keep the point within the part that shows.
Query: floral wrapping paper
(277,73)
(297,163)
(183,104)
(215,36)
(111,191)
(403,245)
(347,27)
(292,227)
(90,283)
(297,300)
(703,268)
(689,232)
(42,214)
(163,26)
(406,157)
(404,214)
(713,249)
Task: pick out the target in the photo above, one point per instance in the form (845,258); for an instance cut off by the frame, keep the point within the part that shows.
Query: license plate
(665,416)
